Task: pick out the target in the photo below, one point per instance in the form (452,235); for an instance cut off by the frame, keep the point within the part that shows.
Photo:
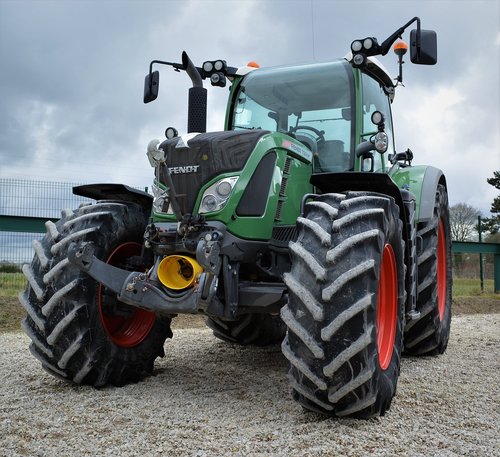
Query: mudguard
(421,181)
(117,192)
(360,181)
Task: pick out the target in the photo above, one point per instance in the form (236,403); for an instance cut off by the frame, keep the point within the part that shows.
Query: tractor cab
(317,104)
(311,103)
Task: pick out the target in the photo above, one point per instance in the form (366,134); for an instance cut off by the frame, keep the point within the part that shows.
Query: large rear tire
(79,330)
(346,305)
(429,334)
(251,329)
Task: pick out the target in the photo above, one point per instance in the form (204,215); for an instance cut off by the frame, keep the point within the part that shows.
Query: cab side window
(375,99)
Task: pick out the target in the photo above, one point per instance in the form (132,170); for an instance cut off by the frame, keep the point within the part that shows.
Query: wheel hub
(125,325)
(441,270)
(387,310)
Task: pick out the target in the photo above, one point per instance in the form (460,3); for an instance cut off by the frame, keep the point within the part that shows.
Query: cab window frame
(380,101)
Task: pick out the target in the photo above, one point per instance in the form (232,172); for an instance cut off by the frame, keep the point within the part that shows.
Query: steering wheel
(320,134)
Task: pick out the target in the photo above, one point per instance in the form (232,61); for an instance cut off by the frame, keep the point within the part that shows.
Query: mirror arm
(386,45)
(418,33)
(177,67)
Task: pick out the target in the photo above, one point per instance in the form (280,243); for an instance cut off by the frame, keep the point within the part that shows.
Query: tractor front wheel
(346,304)
(79,330)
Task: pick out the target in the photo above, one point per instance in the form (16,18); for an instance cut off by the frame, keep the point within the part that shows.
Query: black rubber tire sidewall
(96,360)
(377,391)
(429,334)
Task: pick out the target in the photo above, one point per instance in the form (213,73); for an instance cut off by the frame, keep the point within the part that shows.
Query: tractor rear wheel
(346,305)
(79,330)
(255,329)
(429,333)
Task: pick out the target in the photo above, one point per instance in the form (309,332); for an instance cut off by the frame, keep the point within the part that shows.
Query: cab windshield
(310,102)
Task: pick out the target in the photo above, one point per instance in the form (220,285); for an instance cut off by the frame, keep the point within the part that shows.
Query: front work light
(367,43)
(208,66)
(218,65)
(171,132)
(356,46)
(377,118)
(218,79)
(381,142)
(359,60)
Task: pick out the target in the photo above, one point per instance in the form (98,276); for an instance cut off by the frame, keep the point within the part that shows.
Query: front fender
(358,181)
(117,192)
(421,181)
(365,182)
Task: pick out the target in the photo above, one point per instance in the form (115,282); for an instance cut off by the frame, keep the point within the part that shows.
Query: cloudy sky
(72,75)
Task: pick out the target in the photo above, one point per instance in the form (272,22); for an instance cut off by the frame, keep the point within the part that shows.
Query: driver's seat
(331,156)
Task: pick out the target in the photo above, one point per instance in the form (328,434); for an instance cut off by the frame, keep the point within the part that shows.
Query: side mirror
(151,86)
(426,52)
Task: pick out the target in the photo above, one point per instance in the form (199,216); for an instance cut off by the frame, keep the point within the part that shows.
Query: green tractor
(298,224)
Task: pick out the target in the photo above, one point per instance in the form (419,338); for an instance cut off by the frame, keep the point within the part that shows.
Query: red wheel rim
(387,310)
(441,270)
(130,330)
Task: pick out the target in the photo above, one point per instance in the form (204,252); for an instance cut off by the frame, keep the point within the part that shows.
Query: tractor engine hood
(204,157)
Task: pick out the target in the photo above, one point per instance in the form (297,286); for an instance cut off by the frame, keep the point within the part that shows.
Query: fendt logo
(183,170)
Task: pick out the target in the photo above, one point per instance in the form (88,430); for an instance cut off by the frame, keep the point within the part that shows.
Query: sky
(72,77)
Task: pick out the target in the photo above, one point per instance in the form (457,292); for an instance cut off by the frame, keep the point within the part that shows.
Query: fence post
(481,271)
(496,272)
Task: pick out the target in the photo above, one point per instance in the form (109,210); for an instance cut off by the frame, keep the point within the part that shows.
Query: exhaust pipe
(178,272)
(197,104)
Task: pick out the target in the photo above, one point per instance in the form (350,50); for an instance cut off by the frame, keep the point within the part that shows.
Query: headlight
(208,204)
(217,195)
(160,200)
(224,188)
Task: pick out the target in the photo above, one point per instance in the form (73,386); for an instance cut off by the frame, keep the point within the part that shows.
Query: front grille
(206,156)
(284,234)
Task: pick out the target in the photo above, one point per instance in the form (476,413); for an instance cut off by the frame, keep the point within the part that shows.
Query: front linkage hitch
(142,289)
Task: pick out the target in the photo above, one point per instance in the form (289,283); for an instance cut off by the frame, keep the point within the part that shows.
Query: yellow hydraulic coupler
(178,272)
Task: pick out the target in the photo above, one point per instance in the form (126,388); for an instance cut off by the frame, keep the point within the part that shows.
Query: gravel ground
(209,398)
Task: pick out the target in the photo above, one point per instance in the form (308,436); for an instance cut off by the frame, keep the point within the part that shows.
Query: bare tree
(463,221)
